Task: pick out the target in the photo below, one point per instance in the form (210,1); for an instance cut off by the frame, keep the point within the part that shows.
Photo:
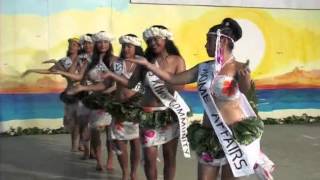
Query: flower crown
(155,31)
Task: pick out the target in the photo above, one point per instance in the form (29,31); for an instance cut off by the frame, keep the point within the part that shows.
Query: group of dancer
(134,99)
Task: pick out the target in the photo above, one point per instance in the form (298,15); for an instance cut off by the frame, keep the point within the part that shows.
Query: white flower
(102,36)
(155,31)
(85,38)
(130,40)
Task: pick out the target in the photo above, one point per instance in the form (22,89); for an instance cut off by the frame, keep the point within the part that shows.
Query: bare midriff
(150,100)
(231,112)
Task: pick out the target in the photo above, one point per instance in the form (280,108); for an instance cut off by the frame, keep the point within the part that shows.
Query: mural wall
(282,45)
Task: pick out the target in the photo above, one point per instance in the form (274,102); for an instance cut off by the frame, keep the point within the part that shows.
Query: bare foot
(100,168)
(74,150)
(81,148)
(133,177)
(84,157)
(92,156)
(109,168)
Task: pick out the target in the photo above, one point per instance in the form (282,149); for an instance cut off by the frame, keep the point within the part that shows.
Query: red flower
(229,87)
(119,126)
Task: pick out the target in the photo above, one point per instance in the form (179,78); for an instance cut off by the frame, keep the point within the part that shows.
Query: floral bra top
(84,57)
(225,88)
(95,73)
(66,62)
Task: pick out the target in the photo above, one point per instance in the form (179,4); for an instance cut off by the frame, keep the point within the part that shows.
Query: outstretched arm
(39,71)
(119,79)
(74,76)
(185,77)
(49,61)
(80,88)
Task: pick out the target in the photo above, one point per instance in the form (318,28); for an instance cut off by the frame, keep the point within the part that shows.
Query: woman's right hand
(105,75)
(25,73)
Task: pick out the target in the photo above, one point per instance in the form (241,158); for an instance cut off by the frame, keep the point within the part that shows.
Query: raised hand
(25,73)
(244,72)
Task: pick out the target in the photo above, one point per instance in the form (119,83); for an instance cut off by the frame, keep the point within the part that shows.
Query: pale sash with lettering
(241,158)
(174,102)
(120,69)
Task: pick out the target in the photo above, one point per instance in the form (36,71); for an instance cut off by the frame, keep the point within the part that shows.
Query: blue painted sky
(49,7)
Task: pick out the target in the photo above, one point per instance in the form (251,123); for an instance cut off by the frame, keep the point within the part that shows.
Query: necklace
(160,59)
(131,67)
(227,61)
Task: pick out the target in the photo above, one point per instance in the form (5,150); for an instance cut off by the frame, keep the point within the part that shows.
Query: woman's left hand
(141,61)
(244,73)
(50,61)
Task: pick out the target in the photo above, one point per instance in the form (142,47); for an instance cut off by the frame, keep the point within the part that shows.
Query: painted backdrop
(282,45)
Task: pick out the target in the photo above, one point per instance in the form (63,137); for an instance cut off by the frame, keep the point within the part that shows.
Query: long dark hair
(138,49)
(96,57)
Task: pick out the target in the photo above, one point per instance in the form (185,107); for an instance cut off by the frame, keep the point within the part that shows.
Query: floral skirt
(70,115)
(124,130)
(158,127)
(206,144)
(123,111)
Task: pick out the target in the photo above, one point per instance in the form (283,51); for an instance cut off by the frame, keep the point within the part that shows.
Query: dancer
(83,113)
(100,120)
(66,64)
(229,138)
(122,129)
(159,121)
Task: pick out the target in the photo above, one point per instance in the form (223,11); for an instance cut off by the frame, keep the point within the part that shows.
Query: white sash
(174,102)
(120,69)
(241,158)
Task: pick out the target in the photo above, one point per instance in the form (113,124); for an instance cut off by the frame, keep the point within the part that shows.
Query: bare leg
(96,142)
(71,123)
(85,137)
(92,152)
(75,137)
(206,172)
(110,152)
(134,157)
(169,157)
(227,173)
(123,158)
(150,164)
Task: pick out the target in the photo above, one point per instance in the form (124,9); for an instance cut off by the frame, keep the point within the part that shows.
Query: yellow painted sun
(251,45)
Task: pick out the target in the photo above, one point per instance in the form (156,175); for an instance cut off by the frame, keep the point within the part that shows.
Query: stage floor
(294,148)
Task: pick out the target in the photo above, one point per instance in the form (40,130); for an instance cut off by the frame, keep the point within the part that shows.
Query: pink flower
(149,133)
(119,126)
(207,157)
